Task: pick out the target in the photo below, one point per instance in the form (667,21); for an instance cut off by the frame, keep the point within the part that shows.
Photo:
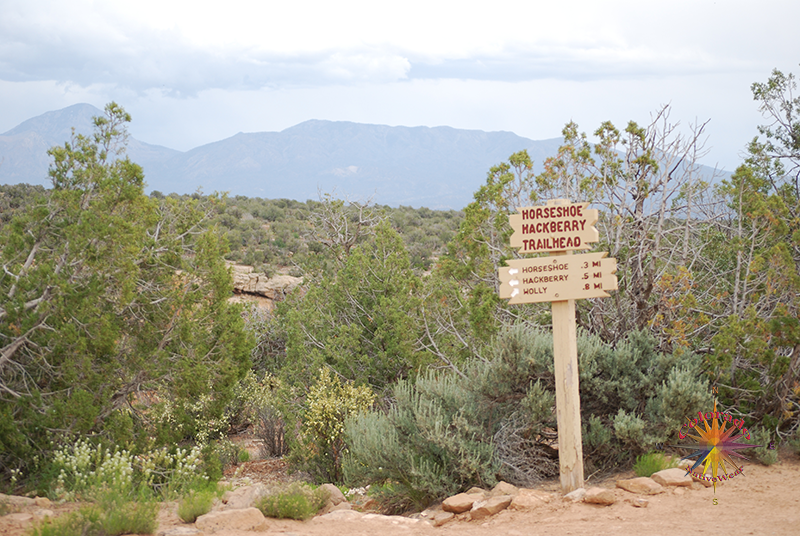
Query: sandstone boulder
(249,519)
(243,497)
(461,503)
(575,495)
(673,477)
(601,496)
(441,518)
(528,499)
(490,506)
(642,484)
(504,488)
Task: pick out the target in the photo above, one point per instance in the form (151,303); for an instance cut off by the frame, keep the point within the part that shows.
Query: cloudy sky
(193,72)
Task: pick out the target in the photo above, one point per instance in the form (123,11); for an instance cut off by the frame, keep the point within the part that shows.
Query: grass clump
(194,505)
(296,501)
(653,462)
(111,516)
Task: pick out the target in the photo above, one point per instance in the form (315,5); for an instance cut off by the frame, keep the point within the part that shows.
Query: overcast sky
(193,72)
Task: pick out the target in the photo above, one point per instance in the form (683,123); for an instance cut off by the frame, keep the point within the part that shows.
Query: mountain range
(439,167)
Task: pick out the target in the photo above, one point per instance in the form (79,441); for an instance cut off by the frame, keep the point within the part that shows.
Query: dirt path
(765,502)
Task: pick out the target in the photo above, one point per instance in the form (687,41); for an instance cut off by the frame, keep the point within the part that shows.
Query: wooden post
(568,401)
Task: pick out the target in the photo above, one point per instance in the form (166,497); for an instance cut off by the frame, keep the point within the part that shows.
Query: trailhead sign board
(560,227)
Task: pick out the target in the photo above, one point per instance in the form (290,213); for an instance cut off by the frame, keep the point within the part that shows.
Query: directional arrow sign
(557,226)
(566,277)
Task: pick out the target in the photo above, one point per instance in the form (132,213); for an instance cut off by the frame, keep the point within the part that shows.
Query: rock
(42,502)
(685,464)
(639,502)
(600,496)
(475,491)
(179,531)
(19,520)
(461,503)
(249,519)
(642,484)
(699,483)
(679,490)
(673,477)
(576,495)
(335,495)
(504,488)
(330,507)
(44,513)
(244,497)
(528,499)
(394,520)
(339,515)
(274,288)
(490,506)
(441,518)
(16,502)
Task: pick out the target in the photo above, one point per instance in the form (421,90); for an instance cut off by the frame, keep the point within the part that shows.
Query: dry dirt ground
(765,501)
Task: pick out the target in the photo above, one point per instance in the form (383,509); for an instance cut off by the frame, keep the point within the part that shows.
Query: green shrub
(433,442)
(296,501)
(653,462)
(329,403)
(764,454)
(194,505)
(111,516)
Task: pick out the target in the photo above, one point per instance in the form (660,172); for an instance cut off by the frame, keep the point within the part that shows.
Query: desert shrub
(295,501)
(112,515)
(270,429)
(195,504)
(83,470)
(321,444)
(447,431)
(431,443)
(652,462)
(760,436)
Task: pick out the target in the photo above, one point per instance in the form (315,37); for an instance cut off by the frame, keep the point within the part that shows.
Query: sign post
(560,227)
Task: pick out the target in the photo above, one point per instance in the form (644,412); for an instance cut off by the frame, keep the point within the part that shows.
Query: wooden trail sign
(547,279)
(554,227)
(561,227)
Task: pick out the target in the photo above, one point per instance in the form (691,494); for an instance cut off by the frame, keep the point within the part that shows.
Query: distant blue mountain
(438,167)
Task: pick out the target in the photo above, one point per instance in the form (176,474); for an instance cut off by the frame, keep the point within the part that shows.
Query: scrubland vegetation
(123,366)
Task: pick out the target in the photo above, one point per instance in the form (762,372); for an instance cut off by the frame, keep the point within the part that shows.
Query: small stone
(474,490)
(490,506)
(461,503)
(504,488)
(679,491)
(441,518)
(42,502)
(639,502)
(673,477)
(642,484)
(576,495)
(600,496)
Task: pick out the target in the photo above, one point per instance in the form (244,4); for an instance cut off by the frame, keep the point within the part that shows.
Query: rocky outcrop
(246,281)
